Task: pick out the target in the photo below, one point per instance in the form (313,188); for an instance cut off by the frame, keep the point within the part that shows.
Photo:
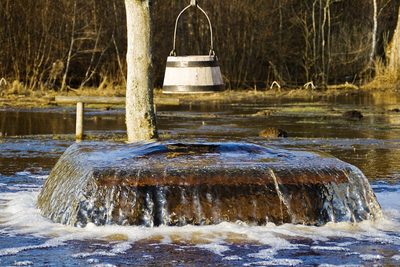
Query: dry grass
(105,89)
(385,79)
(15,94)
(15,88)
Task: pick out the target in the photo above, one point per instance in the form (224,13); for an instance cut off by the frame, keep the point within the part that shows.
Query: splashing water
(231,243)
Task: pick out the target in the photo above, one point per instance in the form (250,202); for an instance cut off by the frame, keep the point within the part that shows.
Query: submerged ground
(32,140)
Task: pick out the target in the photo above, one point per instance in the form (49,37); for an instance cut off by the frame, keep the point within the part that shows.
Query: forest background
(72,44)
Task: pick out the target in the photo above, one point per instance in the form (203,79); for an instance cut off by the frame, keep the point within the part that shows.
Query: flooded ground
(32,140)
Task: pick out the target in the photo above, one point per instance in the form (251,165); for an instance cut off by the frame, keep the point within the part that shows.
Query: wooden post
(79,120)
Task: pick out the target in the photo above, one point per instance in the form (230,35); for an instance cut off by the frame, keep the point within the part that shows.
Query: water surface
(32,141)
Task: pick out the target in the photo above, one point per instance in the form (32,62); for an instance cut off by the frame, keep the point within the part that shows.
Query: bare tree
(374,33)
(393,53)
(64,82)
(320,40)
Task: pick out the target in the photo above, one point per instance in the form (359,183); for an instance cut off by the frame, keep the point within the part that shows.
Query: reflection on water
(38,122)
(14,123)
(30,145)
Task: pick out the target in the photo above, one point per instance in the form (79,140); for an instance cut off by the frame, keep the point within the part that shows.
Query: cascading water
(163,183)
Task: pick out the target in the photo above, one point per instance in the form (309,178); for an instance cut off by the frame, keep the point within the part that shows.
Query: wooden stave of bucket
(192,74)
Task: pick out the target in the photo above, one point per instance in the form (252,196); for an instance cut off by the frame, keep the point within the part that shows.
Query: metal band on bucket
(192,88)
(191,64)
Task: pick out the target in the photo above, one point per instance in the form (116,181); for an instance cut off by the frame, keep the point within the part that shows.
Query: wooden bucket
(193,74)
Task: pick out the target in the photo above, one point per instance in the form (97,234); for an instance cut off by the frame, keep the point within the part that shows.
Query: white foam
(215,248)
(148,257)
(390,203)
(39,177)
(121,248)
(23,263)
(371,257)
(92,261)
(23,173)
(396,257)
(22,186)
(93,254)
(263,254)
(19,215)
(232,258)
(276,262)
(316,248)
(14,251)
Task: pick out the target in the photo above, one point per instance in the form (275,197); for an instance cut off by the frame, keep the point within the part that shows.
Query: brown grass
(15,94)
(385,79)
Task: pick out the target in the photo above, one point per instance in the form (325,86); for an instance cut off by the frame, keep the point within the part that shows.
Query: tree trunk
(374,33)
(64,82)
(314,27)
(140,115)
(393,52)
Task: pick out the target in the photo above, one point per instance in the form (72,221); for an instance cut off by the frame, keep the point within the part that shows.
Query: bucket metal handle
(193,3)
